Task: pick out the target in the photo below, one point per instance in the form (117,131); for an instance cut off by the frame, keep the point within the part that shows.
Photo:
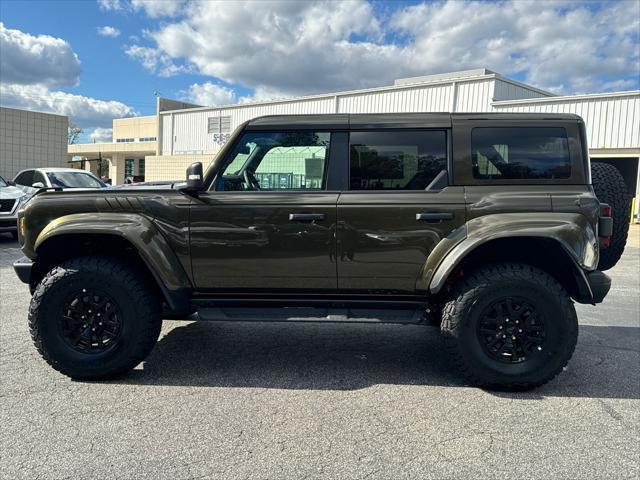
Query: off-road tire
(472,294)
(138,303)
(610,188)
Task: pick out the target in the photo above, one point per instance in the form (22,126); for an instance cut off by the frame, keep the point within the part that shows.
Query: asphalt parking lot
(271,401)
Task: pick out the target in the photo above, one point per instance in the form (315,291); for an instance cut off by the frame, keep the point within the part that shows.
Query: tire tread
(468,289)
(148,307)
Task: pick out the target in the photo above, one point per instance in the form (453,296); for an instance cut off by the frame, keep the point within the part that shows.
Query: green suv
(486,224)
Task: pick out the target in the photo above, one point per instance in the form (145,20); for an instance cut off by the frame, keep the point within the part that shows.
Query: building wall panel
(31,140)
(415,99)
(474,96)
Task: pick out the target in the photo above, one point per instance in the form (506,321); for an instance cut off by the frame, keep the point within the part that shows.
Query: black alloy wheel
(91,321)
(511,330)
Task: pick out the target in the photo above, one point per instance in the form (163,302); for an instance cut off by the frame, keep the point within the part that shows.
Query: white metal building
(612,119)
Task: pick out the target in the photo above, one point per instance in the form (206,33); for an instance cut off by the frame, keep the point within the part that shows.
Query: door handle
(434,217)
(305,217)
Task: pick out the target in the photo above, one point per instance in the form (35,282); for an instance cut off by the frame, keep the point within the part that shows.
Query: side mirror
(195,178)
(38,185)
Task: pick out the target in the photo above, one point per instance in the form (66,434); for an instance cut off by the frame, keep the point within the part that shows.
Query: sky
(98,60)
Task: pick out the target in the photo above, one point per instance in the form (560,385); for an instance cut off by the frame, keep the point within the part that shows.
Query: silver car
(11,199)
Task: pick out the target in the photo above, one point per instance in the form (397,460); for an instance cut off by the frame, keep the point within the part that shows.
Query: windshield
(74,180)
(3,183)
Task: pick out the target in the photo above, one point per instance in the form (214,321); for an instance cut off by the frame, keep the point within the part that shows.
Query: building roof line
(565,98)
(348,93)
(40,112)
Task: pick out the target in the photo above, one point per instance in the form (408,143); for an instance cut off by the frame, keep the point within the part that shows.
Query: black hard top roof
(394,120)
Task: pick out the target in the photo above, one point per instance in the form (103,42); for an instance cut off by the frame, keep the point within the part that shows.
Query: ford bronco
(486,224)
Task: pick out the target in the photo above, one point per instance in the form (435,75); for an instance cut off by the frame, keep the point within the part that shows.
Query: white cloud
(566,46)
(320,46)
(156,61)
(152,8)
(209,94)
(108,31)
(159,8)
(111,5)
(101,135)
(86,112)
(28,59)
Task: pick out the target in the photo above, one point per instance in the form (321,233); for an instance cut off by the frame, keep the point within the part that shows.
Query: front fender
(572,231)
(135,228)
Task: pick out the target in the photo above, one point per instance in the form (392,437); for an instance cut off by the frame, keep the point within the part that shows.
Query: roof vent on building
(439,77)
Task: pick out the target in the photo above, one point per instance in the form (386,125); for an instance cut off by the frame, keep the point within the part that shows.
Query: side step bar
(311,314)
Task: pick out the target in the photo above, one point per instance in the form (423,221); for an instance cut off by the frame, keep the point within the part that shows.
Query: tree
(73,133)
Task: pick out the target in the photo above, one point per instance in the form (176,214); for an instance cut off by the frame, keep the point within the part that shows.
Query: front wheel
(94,317)
(509,327)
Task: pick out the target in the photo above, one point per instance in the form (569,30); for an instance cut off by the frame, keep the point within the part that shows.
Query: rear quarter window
(520,153)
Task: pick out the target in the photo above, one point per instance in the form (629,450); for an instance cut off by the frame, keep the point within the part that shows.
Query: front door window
(278,161)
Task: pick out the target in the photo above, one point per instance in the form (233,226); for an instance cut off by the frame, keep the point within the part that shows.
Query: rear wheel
(94,317)
(509,327)
(610,188)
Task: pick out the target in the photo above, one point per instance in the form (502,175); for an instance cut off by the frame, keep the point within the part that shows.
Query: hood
(16,192)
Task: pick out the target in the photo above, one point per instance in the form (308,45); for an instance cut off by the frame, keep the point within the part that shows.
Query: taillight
(605,225)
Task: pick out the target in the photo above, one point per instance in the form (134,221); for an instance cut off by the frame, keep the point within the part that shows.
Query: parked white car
(58,177)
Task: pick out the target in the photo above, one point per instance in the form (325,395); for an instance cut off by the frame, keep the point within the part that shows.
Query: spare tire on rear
(611,189)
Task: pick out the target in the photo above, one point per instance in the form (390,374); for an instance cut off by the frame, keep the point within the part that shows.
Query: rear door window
(520,153)
(396,160)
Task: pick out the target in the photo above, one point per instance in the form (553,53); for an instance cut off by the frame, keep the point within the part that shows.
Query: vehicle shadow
(355,356)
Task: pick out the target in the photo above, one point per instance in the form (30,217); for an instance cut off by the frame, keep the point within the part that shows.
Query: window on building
(278,161)
(141,167)
(520,153)
(129,166)
(396,160)
(219,124)
(125,140)
(148,139)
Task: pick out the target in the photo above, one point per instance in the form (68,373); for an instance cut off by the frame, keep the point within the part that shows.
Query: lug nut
(99,323)
(517,321)
(539,348)
(513,338)
(504,336)
(519,330)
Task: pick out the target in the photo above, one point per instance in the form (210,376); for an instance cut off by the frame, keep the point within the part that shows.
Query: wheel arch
(547,253)
(131,236)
